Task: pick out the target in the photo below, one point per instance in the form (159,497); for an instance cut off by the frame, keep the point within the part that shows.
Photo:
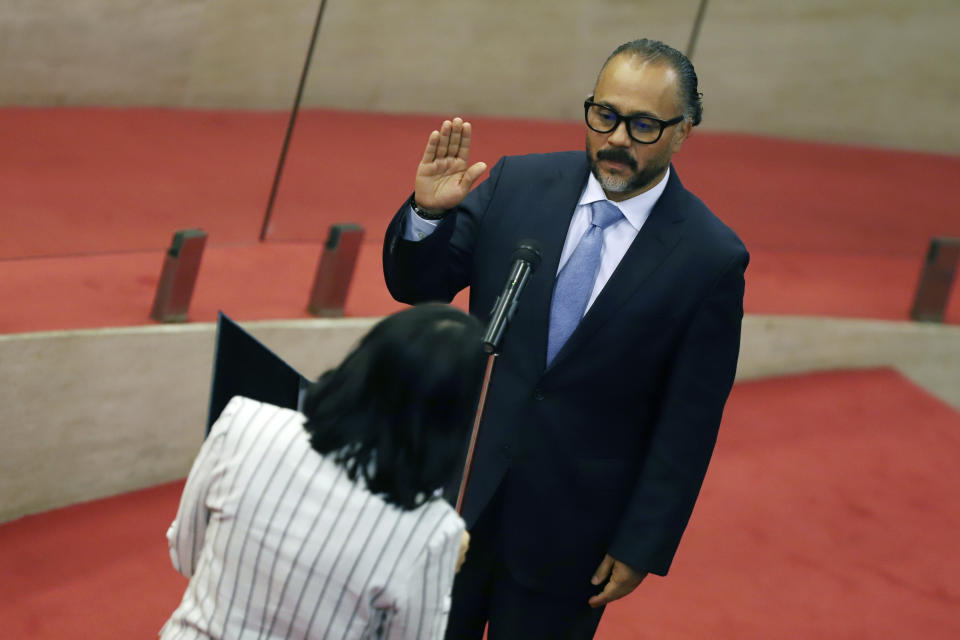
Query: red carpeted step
(104,180)
(92,196)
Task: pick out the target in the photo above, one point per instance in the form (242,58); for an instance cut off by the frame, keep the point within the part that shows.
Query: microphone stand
(526,259)
(465,478)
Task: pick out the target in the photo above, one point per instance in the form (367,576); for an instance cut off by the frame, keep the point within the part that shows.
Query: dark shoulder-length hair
(398,410)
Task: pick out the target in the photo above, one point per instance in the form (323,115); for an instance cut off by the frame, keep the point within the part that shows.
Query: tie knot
(605,213)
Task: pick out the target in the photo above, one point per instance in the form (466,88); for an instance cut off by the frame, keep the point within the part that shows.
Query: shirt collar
(636,209)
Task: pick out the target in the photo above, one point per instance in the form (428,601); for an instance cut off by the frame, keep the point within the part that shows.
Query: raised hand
(443,177)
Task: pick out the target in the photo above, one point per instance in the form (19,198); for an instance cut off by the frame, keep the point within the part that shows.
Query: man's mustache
(617,155)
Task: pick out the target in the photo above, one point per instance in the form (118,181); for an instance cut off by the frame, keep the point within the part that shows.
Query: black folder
(243,366)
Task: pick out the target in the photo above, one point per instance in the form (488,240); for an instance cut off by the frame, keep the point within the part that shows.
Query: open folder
(243,366)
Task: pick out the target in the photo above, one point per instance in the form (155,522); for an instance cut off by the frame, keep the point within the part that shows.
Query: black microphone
(526,259)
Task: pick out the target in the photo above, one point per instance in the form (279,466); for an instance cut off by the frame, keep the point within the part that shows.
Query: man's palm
(444,176)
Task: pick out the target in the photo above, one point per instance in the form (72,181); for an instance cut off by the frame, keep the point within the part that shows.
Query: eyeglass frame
(622,118)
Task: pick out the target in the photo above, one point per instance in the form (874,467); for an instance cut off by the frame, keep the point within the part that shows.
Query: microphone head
(528,250)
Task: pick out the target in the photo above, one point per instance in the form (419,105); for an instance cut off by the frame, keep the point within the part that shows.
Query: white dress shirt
(279,543)
(617,238)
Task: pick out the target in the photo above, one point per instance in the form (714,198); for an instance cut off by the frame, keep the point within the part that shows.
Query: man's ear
(683,131)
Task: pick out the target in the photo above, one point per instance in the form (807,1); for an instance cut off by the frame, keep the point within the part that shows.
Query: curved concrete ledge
(928,354)
(87,414)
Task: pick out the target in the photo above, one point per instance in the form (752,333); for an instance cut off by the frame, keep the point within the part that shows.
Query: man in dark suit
(605,402)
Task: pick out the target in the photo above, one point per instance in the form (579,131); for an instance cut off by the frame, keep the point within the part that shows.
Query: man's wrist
(427,215)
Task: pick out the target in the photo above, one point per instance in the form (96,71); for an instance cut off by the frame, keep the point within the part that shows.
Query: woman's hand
(464,545)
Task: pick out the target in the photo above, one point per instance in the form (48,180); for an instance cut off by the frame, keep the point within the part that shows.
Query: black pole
(695,33)
(293,119)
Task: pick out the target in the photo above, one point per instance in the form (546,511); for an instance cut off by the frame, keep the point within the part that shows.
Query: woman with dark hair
(329,523)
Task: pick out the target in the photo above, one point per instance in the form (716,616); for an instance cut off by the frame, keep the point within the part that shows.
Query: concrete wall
(86,414)
(878,72)
(928,354)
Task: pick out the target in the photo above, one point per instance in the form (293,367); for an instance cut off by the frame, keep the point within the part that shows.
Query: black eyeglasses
(642,129)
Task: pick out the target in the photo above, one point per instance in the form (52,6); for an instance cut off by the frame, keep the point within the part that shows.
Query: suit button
(538,394)
(505,450)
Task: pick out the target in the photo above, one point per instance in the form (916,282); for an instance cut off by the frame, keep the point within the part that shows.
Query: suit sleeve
(698,384)
(439,266)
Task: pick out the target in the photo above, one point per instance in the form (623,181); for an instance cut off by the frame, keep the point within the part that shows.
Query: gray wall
(878,72)
(86,414)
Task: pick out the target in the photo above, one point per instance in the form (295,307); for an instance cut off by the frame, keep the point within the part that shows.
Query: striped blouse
(279,543)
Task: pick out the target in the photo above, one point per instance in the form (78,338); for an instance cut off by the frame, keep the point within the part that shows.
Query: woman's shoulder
(246,412)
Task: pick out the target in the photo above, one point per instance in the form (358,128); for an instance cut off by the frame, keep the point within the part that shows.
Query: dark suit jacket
(606,448)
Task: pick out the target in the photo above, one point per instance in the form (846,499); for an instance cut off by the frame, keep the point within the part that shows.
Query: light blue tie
(576,280)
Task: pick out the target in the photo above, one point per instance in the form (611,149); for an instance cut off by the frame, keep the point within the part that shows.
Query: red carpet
(92,197)
(83,181)
(95,570)
(827,513)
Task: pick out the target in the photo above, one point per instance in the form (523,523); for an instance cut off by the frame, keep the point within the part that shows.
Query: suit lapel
(548,223)
(656,239)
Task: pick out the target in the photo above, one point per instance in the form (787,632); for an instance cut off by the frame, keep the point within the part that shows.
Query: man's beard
(629,183)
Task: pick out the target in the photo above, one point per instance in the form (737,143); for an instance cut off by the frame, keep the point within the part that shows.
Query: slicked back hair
(397,411)
(654,51)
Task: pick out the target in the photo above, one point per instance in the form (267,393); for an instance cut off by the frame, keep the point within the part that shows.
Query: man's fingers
(443,177)
(464,151)
(622,580)
(473,173)
(603,571)
(444,140)
(451,141)
(430,153)
(456,135)
(610,593)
